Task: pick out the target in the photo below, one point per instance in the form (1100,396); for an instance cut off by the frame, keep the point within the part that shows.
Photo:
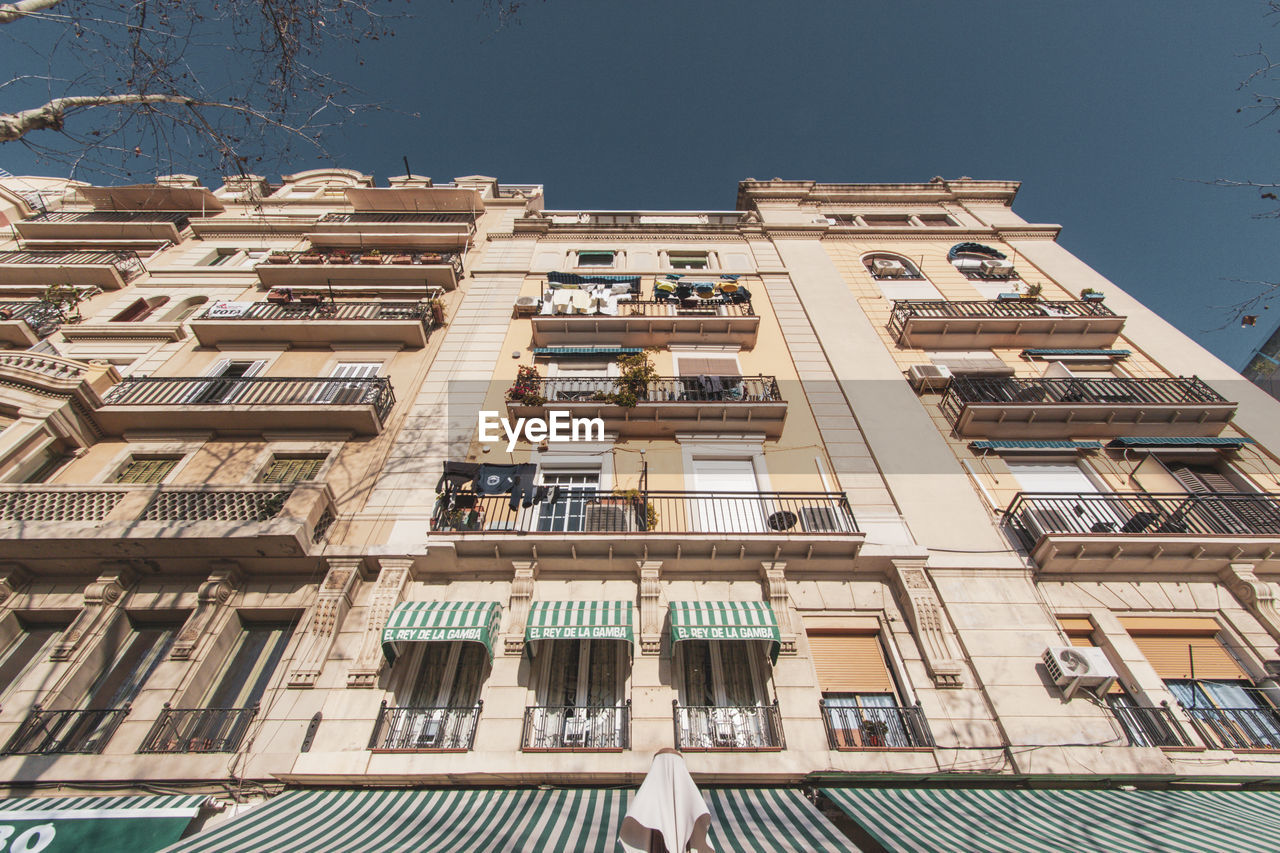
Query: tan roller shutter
(850,663)
(708,366)
(1172,656)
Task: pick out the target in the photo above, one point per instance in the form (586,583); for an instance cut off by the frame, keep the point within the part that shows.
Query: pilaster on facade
(388,591)
(934,633)
(101,599)
(1257,595)
(773,577)
(224,579)
(524,576)
(651,614)
(333,601)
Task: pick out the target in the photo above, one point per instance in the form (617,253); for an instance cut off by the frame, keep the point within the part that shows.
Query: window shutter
(1201,481)
(146,470)
(1172,654)
(1080,632)
(850,663)
(292,470)
(703,366)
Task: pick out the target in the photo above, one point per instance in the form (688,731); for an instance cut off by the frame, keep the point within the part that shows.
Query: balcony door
(582,685)
(248,668)
(1075,511)
(1228,515)
(117,685)
(215,391)
(728,501)
(858,692)
(348,393)
(578,507)
(723,693)
(444,690)
(580,379)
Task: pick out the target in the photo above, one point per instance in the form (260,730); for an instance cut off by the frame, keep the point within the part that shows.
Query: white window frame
(709,256)
(614,263)
(758,684)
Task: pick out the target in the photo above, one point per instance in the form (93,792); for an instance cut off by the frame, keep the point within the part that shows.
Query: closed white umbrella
(667,810)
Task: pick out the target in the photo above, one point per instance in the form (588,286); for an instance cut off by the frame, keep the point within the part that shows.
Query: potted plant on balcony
(636,374)
(402,258)
(432,258)
(1091,295)
(311,256)
(279,256)
(437,311)
(280,295)
(634,499)
(63,298)
(340,256)
(525,389)
(874,732)
(371,256)
(1033,291)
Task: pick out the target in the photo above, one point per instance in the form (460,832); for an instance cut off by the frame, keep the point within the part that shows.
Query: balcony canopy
(441,622)
(974,249)
(415,200)
(580,620)
(101,824)
(1224,442)
(725,620)
(152,197)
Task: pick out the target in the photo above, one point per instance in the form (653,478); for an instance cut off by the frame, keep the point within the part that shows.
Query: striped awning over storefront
(583,820)
(580,620)
(725,620)
(96,824)
(960,820)
(441,622)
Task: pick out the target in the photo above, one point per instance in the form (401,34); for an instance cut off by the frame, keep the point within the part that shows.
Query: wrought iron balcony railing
(330,310)
(859,727)
(1115,391)
(383,218)
(253,391)
(1033,516)
(199,729)
(664,389)
(43,318)
(1010,274)
(126,262)
(76,731)
(664,308)
(1237,728)
(991,309)
(657,513)
(435,729)
(570,728)
(366,257)
(1149,725)
(179,220)
(730,727)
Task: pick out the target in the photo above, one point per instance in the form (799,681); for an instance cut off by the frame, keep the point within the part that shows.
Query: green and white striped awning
(960,820)
(441,622)
(460,820)
(1232,442)
(99,824)
(725,620)
(561,352)
(580,620)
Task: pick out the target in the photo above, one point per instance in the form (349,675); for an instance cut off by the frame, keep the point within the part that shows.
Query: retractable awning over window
(580,620)
(95,824)
(725,620)
(960,820)
(584,820)
(441,622)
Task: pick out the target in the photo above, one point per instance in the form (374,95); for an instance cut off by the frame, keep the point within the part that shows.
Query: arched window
(898,277)
(184,309)
(139,309)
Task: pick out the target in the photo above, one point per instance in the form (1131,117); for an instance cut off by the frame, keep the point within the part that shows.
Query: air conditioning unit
(997,267)
(1074,667)
(528,305)
(886,268)
(927,377)
(605,518)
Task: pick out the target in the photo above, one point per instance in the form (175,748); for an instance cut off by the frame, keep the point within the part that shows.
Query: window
(578,507)
(441,699)
(596,259)
(292,469)
(887,220)
(720,673)
(581,686)
(215,391)
(688,260)
(47,465)
(579,378)
(138,656)
(348,393)
(139,309)
(249,666)
(860,701)
(233,257)
(936,220)
(147,469)
(32,644)
(886,267)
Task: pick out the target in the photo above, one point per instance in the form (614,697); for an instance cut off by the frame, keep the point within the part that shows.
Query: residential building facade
(872,500)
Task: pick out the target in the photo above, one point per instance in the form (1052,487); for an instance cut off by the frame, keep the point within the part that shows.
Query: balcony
(982,324)
(405,323)
(855,728)
(246,404)
(63,732)
(25,324)
(668,405)
(1237,728)
(578,523)
(1003,407)
(570,729)
(116,521)
(425,729)
(652,322)
(108,270)
(728,728)
(1149,725)
(146,225)
(1146,532)
(186,730)
(401,230)
(317,268)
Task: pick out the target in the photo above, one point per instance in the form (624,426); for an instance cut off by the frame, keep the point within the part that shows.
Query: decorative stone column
(526,572)
(932,629)
(224,579)
(393,576)
(332,603)
(101,598)
(773,577)
(650,606)
(1258,596)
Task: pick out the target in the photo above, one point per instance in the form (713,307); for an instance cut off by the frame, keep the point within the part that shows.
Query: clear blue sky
(1105,111)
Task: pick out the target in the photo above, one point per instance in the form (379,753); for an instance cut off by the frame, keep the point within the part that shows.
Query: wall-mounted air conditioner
(928,377)
(885,268)
(527,305)
(997,267)
(1076,667)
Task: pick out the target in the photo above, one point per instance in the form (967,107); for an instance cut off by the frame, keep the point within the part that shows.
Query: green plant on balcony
(63,298)
(525,389)
(279,256)
(1033,291)
(636,374)
(874,732)
(635,499)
